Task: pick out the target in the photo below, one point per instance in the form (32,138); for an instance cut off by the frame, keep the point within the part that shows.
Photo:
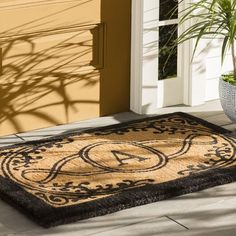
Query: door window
(168,33)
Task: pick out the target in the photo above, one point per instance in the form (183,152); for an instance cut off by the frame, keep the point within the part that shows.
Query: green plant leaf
(224,47)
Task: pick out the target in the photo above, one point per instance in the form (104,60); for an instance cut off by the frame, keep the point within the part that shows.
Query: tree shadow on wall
(42,74)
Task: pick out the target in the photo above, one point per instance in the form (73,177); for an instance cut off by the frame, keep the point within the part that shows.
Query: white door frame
(144,62)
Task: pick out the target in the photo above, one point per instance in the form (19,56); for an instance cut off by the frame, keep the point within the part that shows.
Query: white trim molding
(145,97)
(144,56)
(136,56)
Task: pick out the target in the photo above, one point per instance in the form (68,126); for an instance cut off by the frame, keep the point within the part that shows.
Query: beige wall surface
(62,61)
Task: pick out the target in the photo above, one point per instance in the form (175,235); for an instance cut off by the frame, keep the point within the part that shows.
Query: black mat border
(47,216)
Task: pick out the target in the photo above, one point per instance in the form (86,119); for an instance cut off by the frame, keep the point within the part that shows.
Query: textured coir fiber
(92,173)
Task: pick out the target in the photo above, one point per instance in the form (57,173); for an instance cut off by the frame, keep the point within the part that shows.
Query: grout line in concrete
(177,222)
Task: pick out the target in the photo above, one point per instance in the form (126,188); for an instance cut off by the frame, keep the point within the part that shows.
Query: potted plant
(215,19)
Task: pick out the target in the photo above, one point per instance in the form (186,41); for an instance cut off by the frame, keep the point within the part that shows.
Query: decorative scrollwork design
(87,166)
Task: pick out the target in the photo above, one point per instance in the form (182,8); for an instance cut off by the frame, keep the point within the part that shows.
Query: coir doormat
(100,171)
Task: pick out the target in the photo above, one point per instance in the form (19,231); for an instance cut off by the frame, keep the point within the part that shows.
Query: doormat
(104,170)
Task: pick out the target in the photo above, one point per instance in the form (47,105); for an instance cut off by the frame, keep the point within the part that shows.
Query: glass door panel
(170,91)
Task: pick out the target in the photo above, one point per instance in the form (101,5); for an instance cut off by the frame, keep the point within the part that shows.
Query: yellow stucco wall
(62,61)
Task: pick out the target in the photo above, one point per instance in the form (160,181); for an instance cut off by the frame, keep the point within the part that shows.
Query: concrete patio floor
(209,212)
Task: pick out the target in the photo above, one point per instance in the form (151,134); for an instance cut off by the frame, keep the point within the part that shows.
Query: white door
(170,81)
(154,84)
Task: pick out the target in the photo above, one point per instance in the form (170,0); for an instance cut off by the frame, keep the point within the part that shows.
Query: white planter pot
(228,99)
